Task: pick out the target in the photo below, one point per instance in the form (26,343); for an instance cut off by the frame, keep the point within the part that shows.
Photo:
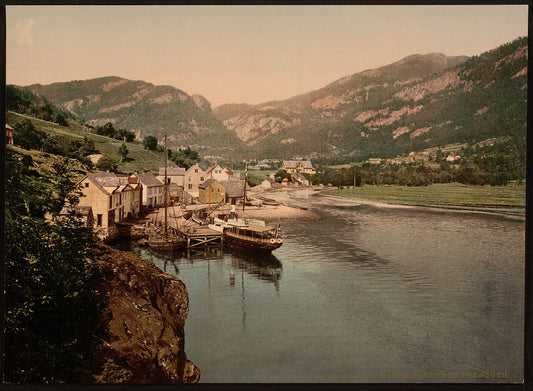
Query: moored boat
(257,238)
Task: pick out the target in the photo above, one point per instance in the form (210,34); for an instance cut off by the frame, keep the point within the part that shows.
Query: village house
(194,177)
(220,174)
(100,191)
(374,161)
(234,190)
(9,134)
(84,214)
(212,191)
(152,192)
(293,166)
(175,182)
(131,195)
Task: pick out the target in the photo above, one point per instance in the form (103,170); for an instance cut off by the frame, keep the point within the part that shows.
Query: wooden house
(194,177)
(293,166)
(175,182)
(152,189)
(101,192)
(9,134)
(84,214)
(234,190)
(212,191)
(219,173)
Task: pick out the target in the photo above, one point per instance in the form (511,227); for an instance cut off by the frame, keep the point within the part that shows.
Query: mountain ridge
(417,102)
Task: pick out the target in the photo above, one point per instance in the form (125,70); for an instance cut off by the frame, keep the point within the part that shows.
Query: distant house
(212,191)
(101,192)
(234,190)
(374,161)
(152,194)
(83,213)
(293,166)
(453,158)
(9,134)
(194,177)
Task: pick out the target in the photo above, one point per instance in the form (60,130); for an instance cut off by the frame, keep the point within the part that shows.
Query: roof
(8,127)
(149,180)
(105,181)
(82,210)
(207,183)
(295,163)
(234,188)
(172,171)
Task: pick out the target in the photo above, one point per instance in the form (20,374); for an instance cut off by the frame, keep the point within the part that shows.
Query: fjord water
(366,295)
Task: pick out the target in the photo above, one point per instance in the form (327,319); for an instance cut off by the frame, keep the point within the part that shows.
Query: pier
(200,236)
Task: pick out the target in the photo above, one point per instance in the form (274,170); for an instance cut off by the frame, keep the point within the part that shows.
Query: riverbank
(501,200)
(142,329)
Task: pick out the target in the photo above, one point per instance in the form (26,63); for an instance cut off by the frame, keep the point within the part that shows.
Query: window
(86,184)
(110,202)
(202,178)
(190,186)
(196,170)
(98,220)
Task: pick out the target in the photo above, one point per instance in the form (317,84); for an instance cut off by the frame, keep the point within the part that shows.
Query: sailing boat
(165,241)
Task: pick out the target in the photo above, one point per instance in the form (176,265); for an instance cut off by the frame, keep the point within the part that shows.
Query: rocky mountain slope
(418,102)
(145,109)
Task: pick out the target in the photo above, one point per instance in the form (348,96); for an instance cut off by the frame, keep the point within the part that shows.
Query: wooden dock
(201,237)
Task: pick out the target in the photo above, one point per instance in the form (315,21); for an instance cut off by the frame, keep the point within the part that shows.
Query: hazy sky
(242,54)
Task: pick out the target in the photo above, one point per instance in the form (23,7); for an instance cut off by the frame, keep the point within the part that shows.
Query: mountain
(419,102)
(145,109)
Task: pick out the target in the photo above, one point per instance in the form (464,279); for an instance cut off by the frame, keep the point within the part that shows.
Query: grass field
(449,195)
(139,158)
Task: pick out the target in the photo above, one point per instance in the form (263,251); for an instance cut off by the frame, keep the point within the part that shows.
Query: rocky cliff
(143,324)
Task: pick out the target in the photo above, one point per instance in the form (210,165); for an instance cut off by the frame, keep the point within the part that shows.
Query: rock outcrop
(143,324)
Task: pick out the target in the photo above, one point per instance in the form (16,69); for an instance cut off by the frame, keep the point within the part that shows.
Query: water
(366,295)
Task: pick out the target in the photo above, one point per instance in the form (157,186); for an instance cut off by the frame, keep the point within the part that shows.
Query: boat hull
(166,244)
(249,244)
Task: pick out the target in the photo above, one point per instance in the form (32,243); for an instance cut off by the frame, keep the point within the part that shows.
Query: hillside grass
(510,198)
(139,158)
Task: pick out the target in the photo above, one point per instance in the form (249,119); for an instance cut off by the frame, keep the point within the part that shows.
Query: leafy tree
(184,157)
(107,163)
(27,136)
(150,142)
(51,311)
(123,151)
(87,147)
(281,174)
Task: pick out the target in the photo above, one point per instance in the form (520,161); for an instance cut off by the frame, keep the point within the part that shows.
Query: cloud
(24,29)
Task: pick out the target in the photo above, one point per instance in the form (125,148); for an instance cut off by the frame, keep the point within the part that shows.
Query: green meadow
(510,198)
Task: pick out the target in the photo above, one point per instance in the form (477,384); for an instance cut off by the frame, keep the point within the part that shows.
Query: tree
(51,310)
(150,142)
(107,163)
(123,151)
(27,136)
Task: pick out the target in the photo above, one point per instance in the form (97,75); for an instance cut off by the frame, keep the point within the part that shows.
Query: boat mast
(245,180)
(165,187)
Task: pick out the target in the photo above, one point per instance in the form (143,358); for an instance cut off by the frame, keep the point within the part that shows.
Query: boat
(167,240)
(251,236)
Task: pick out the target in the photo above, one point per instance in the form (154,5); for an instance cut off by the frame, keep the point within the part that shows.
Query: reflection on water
(365,295)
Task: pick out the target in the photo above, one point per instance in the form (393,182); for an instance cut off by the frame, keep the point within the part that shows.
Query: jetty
(201,236)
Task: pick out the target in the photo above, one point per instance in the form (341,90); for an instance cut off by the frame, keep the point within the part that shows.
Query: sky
(242,54)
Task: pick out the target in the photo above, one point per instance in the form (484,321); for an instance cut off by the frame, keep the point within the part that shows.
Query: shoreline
(433,208)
